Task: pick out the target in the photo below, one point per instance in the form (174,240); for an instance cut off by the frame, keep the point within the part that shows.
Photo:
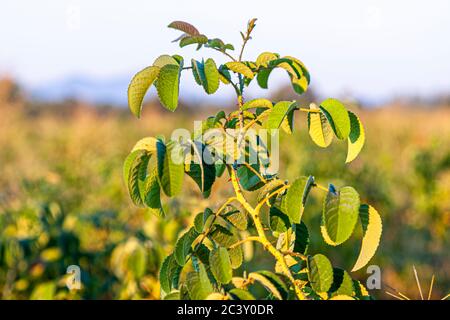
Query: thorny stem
(254,213)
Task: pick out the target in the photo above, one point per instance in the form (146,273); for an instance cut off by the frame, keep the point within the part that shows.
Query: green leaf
(240,294)
(199,222)
(263,77)
(198,71)
(278,113)
(138,88)
(270,187)
(224,75)
(372,229)
(320,273)
(338,117)
(211,76)
(168,86)
(185,27)
(296,198)
(203,173)
(175,295)
(151,193)
(279,222)
(198,39)
(236,218)
(356,137)
(137,261)
(164,60)
(342,283)
(183,246)
(171,168)
(264,58)
(239,67)
(169,274)
(257,103)
(320,130)
(271,282)
(135,173)
(198,284)
(301,238)
(248,179)
(339,216)
(147,144)
(220,265)
(236,257)
(223,236)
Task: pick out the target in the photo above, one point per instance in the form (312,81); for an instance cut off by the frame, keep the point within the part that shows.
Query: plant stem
(253,238)
(254,213)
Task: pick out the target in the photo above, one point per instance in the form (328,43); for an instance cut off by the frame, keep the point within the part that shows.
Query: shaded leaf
(220,264)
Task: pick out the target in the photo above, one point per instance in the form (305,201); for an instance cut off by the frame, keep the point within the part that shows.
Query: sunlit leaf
(211,76)
(338,117)
(356,137)
(372,229)
(278,113)
(171,168)
(320,273)
(264,58)
(240,294)
(339,215)
(168,86)
(138,88)
(271,282)
(320,130)
(342,283)
(241,68)
(257,103)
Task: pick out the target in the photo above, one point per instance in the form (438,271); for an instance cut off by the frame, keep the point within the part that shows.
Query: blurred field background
(63,201)
(65,132)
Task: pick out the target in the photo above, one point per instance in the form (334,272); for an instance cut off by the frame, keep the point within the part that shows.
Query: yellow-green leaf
(319,129)
(320,273)
(241,68)
(138,88)
(338,117)
(163,60)
(372,228)
(356,137)
(170,168)
(211,76)
(168,86)
(257,103)
(264,58)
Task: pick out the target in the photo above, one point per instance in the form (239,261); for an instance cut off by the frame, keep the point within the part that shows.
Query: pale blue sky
(373,48)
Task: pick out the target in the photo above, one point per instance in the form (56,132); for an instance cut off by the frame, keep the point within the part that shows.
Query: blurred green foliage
(63,201)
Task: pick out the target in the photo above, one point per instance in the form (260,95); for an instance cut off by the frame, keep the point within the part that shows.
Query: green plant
(202,263)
